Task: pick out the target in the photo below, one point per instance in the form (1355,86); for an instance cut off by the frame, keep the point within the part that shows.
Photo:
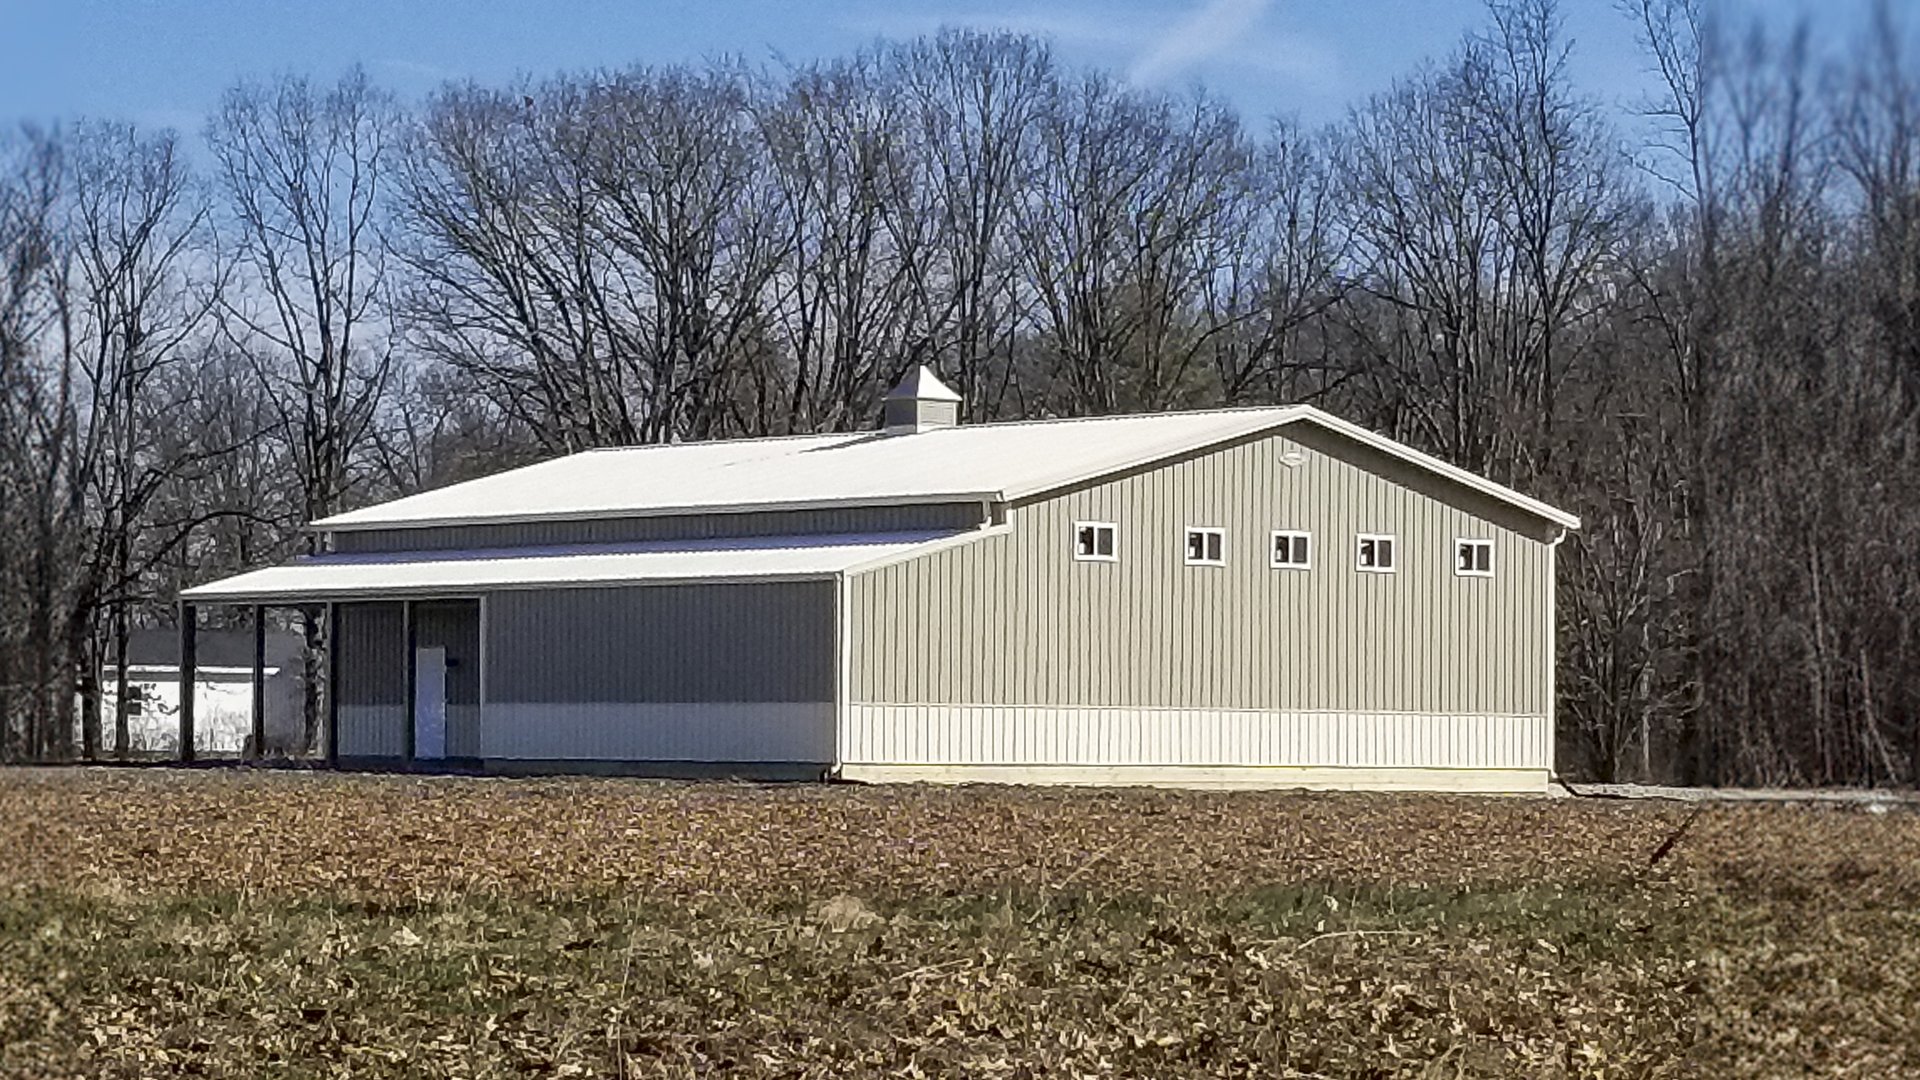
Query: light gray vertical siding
(1014,619)
(853,519)
(710,672)
(373,680)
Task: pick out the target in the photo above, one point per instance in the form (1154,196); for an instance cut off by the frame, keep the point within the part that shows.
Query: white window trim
(1273,542)
(1209,530)
(1481,541)
(1390,568)
(1074,539)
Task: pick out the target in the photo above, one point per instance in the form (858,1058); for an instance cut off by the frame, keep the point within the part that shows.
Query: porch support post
(189,643)
(333,686)
(259,746)
(412,675)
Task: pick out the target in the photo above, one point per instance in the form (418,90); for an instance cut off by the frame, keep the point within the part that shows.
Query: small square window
(1374,553)
(1292,551)
(1473,558)
(1093,541)
(136,699)
(1206,547)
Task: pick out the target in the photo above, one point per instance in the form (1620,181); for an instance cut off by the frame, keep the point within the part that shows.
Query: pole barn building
(1264,596)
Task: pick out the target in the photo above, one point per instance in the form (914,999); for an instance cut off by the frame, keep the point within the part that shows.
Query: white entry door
(430,702)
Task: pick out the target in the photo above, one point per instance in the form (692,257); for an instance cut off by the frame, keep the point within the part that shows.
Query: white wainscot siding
(668,731)
(1048,743)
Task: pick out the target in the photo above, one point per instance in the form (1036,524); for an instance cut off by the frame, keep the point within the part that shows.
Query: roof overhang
(405,575)
(1298,414)
(1434,465)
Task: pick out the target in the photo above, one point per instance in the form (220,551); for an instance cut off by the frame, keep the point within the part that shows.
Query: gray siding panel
(372,654)
(1014,619)
(859,519)
(373,680)
(663,644)
(778,731)
(373,674)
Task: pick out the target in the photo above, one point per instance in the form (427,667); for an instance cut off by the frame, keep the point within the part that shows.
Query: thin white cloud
(1064,27)
(416,69)
(1217,27)
(1220,37)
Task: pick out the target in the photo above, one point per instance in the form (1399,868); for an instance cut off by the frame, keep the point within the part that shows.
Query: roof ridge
(790,436)
(1222,411)
(1021,422)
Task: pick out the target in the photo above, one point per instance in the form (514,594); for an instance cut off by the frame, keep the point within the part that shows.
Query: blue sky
(165,63)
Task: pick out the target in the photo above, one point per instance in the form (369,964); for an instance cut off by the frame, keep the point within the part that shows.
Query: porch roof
(382,575)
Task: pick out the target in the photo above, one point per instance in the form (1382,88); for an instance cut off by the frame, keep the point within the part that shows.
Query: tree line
(1705,341)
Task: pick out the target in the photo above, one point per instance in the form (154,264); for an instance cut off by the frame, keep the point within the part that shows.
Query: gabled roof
(1001,462)
(385,575)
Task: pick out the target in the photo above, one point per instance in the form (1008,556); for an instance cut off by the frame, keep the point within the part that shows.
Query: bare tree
(1490,199)
(144,286)
(839,154)
(511,284)
(34,407)
(1130,212)
(689,212)
(1283,278)
(304,171)
(970,102)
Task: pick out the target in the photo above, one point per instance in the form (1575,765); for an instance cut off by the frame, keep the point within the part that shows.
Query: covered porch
(697,652)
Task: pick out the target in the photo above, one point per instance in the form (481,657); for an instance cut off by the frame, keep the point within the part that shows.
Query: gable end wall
(1009,651)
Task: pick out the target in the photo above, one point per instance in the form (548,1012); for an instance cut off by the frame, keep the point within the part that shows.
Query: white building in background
(223,698)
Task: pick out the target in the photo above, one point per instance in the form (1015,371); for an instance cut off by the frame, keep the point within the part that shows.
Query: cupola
(921,403)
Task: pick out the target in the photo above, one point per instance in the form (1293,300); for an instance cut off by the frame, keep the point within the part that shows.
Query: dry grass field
(228,923)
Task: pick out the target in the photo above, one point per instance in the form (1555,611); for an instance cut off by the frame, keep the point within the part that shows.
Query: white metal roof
(443,573)
(984,462)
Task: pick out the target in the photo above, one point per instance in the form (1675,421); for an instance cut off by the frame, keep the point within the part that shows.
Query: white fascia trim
(427,592)
(339,524)
(1280,418)
(1435,465)
(931,546)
